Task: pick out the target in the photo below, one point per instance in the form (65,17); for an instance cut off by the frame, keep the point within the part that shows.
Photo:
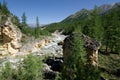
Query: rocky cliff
(10,38)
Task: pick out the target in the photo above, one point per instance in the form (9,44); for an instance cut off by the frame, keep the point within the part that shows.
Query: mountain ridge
(83,13)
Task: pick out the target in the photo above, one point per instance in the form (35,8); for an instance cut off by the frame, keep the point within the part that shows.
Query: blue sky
(50,11)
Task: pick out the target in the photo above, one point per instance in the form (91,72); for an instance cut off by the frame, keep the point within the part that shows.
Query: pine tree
(114,33)
(24,26)
(37,28)
(0,7)
(24,19)
(93,26)
(73,65)
(112,28)
(96,29)
(33,67)
(37,22)
(4,9)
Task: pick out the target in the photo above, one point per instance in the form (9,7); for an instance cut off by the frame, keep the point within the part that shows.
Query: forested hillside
(101,23)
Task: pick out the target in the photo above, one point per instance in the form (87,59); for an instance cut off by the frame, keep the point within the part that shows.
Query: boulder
(10,37)
(91,47)
(55,63)
(52,67)
(60,43)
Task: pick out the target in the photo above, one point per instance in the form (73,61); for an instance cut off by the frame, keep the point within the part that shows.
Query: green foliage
(16,21)
(92,73)
(3,19)
(7,72)
(93,27)
(21,73)
(32,31)
(103,27)
(30,69)
(109,65)
(4,9)
(37,28)
(74,64)
(112,28)
(70,70)
(23,25)
(53,27)
(67,28)
(4,12)
(24,19)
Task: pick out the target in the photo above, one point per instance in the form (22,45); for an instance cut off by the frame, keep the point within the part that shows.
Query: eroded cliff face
(91,47)
(10,37)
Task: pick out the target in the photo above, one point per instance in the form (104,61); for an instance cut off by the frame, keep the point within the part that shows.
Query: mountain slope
(80,15)
(85,14)
(81,18)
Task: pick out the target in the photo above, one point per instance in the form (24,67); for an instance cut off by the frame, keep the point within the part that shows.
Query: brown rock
(90,45)
(10,37)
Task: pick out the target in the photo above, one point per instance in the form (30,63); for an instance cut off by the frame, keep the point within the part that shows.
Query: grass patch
(109,64)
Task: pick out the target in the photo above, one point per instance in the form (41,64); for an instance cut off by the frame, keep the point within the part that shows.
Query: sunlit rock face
(91,47)
(10,37)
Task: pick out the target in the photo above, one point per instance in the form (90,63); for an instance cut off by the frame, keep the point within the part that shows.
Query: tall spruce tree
(37,28)
(37,22)
(93,27)
(24,19)
(24,25)
(112,28)
(96,30)
(73,65)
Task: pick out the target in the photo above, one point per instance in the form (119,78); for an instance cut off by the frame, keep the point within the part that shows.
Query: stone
(55,63)
(91,47)
(10,37)
(52,67)
(60,43)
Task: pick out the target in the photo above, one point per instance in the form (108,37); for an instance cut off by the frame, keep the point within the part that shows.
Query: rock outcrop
(10,37)
(90,45)
(52,67)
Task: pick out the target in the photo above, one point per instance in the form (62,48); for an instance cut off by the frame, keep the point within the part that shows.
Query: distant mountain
(81,17)
(104,8)
(84,13)
(32,25)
